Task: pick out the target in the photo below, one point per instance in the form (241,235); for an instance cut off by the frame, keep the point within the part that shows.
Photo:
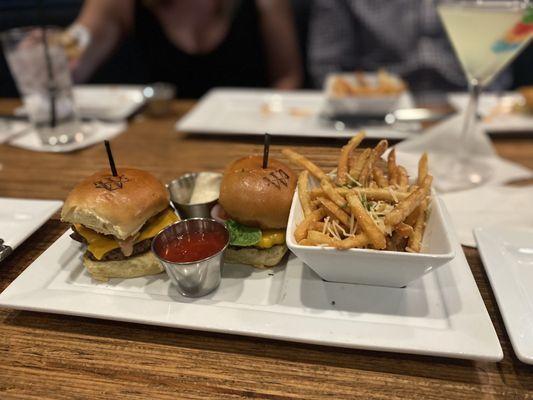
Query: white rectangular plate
(282,113)
(106,102)
(507,255)
(441,314)
(19,218)
(497,125)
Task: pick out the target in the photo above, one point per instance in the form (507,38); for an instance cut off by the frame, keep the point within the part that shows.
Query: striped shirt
(404,36)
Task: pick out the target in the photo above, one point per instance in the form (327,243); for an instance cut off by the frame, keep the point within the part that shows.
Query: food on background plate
(257,202)
(117,217)
(363,94)
(364,203)
(508,105)
(269,108)
(527,94)
(359,84)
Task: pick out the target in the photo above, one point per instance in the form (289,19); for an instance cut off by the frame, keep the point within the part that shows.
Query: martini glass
(486,36)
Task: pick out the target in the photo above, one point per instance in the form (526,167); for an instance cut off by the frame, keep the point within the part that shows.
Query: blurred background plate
(282,113)
(108,102)
(507,255)
(19,218)
(499,112)
(105,102)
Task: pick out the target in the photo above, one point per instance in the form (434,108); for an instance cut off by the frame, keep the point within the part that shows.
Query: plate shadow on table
(282,140)
(525,135)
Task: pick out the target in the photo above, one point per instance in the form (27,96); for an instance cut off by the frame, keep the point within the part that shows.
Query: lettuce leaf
(240,235)
(528,16)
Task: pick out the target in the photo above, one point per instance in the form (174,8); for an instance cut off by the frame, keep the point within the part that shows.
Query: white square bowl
(376,267)
(366,105)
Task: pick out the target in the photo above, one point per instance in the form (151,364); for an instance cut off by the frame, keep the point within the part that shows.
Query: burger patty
(76,236)
(115,254)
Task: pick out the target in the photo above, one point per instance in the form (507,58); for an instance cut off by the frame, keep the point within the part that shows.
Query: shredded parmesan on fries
(354,181)
(384,216)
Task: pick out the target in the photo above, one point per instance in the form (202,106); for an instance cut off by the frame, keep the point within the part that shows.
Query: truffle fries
(342,168)
(361,84)
(367,203)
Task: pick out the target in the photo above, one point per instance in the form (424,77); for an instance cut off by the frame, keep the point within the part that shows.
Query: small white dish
(280,113)
(19,218)
(376,267)
(507,255)
(441,314)
(367,105)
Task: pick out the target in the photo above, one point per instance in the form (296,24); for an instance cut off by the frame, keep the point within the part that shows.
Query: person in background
(404,36)
(194,44)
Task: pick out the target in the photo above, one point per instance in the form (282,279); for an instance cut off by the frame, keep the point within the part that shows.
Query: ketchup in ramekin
(192,253)
(189,247)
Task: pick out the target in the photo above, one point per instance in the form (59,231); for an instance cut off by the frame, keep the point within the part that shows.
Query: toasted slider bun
(132,267)
(258,197)
(260,258)
(117,206)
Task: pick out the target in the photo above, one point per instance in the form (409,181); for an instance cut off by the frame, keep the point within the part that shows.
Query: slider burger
(117,217)
(257,202)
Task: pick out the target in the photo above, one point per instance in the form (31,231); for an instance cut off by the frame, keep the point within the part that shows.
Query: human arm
(107,22)
(284,64)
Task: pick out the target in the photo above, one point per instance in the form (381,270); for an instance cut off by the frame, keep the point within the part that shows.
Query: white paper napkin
(9,128)
(444,139)
(26,137)
(489,206)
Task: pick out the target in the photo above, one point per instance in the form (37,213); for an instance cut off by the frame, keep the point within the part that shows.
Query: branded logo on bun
(117,218)
(257,201)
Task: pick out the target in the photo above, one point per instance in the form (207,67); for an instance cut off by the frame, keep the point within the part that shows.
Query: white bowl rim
(437,206)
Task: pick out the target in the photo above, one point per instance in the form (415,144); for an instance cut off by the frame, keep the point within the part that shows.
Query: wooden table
(62,357)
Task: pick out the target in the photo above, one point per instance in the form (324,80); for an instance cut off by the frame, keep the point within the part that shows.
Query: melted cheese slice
(271,237)
(99,244)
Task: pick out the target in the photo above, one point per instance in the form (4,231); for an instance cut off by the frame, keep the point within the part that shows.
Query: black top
(237,61)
